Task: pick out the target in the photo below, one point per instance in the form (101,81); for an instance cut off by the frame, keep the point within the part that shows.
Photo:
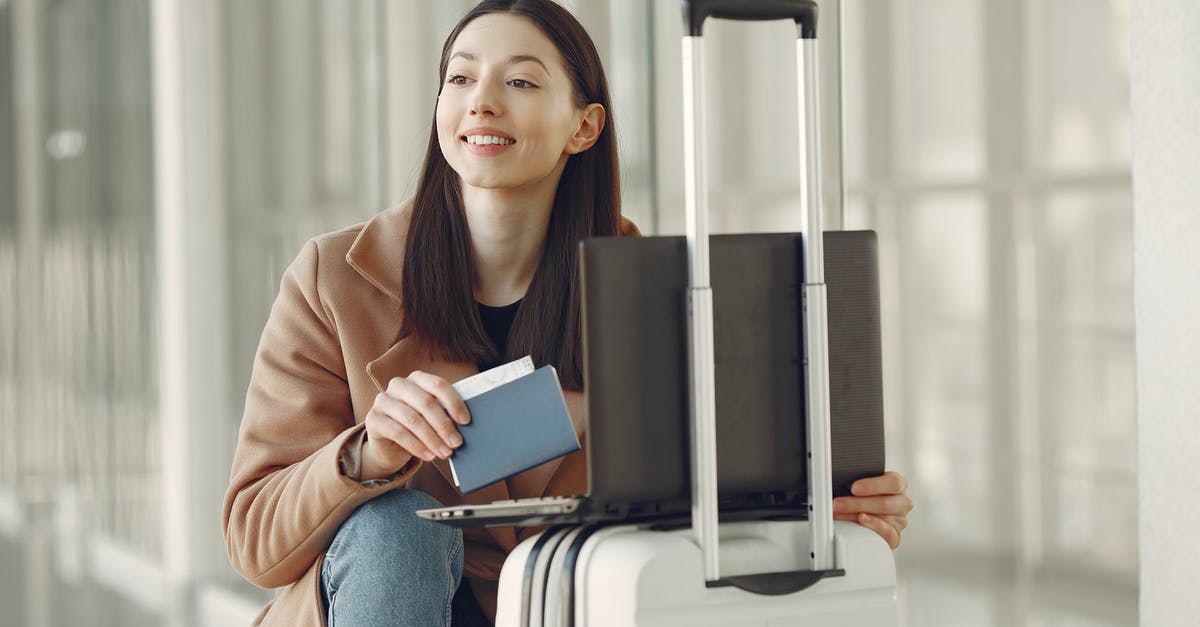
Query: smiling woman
(516,72)
(350,416)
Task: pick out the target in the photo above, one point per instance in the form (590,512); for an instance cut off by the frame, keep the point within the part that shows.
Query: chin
(492,182)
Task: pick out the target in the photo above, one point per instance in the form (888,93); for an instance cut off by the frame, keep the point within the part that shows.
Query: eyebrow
(513,60)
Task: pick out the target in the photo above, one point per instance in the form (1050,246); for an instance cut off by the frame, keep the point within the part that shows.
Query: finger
(899,522)
(381,427)
(882,527)
(893,505)
(410,418)
(434,416)
(890,482)
(445,393)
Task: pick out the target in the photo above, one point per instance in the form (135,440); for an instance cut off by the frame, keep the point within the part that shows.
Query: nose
(483,101)
(483,106)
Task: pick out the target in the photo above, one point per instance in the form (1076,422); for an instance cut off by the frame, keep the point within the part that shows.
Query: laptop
(635,377)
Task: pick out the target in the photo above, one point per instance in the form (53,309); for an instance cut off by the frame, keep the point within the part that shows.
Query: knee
(387,566)
(388,528)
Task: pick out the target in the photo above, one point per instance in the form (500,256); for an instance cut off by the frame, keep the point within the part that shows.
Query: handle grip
(774,584)
(803,12)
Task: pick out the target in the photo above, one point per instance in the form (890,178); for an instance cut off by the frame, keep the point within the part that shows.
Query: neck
(508,233)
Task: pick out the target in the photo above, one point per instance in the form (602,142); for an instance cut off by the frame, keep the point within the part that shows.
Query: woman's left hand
(879,503)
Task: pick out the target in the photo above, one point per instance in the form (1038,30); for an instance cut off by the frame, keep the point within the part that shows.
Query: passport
(514,426)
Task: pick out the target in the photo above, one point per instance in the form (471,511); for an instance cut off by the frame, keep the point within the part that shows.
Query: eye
(521,83)
(456,79)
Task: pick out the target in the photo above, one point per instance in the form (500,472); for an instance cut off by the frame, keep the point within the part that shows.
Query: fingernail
(839,506)
(464,419)
(855,489)
(427,456)
(445,451)
(864,519)
(456,441)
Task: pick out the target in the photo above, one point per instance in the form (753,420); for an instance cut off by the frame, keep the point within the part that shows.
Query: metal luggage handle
(699,296)
(803,12)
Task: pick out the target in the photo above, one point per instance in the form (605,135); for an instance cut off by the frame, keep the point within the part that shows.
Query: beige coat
(329,346)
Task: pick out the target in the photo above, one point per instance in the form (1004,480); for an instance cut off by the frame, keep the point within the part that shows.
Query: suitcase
(749,573)
(638,575)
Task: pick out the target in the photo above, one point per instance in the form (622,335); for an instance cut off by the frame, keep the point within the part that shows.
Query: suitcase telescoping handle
(700,312)
(804,12)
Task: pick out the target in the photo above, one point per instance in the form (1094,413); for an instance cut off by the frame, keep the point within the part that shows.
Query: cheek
(564,130)
(445,126)
(555,128)
(445,123)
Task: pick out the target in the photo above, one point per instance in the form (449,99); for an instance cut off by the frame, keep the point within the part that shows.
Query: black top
(496,322)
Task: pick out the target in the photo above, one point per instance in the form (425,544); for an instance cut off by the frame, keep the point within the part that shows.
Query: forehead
(499,36)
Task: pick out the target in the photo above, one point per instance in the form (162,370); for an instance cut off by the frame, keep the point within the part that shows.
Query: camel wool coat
(330,345)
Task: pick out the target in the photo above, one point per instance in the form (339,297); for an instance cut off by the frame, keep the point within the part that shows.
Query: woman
(350,416)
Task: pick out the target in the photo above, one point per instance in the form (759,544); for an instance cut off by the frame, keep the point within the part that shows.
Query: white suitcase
(632,575)
(758,573)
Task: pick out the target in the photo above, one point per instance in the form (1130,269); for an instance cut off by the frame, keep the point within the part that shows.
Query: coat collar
(378,255)
(378,251)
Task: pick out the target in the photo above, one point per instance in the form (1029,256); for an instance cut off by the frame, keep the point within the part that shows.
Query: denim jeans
(386,566)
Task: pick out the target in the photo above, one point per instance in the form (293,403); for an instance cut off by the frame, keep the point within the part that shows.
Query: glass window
(1079,72)
(79,417)
(939,85)
(1008,281)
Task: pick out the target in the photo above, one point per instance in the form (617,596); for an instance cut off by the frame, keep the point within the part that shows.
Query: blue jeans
(386,566)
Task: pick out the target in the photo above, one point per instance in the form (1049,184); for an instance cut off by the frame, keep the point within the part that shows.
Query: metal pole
(700,321)
(820,473)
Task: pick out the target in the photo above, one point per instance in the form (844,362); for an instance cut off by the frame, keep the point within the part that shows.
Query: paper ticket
(493,378)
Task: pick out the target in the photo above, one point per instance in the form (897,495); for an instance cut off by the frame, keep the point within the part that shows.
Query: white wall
(1166,181)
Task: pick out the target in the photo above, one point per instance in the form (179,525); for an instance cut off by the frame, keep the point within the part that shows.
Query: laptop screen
(635,353)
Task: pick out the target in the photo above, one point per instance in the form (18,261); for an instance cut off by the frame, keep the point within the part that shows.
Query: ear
(590,125)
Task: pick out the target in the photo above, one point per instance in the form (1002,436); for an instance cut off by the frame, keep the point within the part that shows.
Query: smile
(488,140)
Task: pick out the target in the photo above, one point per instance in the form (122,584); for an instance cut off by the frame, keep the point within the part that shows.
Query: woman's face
(506,117)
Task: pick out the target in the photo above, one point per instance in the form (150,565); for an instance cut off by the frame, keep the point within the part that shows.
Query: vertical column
(878,188)
(1166,197)
(29,139)
(1005,106)
(295,43)
(370,32)
(192,245)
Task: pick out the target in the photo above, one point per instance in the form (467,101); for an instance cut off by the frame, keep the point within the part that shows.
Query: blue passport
(514,427)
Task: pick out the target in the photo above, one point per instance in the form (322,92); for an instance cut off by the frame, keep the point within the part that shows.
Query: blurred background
(162,162)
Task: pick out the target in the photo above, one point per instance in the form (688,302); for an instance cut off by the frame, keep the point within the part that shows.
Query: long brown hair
(438,277)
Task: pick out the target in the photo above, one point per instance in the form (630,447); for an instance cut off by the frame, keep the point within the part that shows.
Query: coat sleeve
(287,496)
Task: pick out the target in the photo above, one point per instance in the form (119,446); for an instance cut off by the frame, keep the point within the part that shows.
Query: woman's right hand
(417,415)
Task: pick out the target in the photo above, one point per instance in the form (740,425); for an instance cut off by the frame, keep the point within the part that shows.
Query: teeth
(483,140)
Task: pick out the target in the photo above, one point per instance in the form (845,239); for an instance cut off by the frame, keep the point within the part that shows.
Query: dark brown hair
(438,277)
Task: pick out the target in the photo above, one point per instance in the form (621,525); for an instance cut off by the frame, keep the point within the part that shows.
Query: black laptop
(635,373)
